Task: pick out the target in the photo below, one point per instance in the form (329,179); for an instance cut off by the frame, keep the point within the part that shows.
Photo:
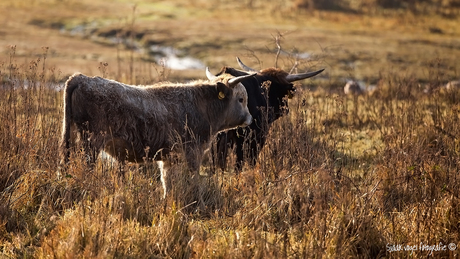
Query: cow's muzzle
(247,121)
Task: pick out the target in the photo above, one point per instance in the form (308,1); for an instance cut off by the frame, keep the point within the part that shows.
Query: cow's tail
(72,83)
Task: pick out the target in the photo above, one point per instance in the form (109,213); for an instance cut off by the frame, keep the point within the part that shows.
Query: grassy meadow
(369,176)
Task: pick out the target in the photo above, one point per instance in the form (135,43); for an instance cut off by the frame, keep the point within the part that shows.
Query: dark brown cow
(138,123)
(267,93)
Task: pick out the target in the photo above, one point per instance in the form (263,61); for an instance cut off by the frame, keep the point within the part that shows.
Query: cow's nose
(248,120)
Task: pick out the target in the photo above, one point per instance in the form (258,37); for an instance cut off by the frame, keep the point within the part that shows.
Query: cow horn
(243,66)
(210,75)
(234,81)
(296,77)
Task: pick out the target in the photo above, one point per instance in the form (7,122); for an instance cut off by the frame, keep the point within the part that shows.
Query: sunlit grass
(339,176)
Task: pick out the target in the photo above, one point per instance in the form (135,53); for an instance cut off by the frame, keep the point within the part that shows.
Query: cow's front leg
(220,151)
(194,157)
(240,141)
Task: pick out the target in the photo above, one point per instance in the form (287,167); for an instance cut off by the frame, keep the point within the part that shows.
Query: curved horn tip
(296,77)
(209,75)
(236,80)
(244,67)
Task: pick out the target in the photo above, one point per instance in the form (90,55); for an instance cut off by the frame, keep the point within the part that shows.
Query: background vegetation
(339,177)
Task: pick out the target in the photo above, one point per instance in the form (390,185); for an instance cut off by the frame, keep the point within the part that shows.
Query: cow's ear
(223,91)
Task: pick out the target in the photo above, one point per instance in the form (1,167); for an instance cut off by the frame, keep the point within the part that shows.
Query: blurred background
(148,41)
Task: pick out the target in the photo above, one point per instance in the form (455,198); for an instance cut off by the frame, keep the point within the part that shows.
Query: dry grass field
(369,176)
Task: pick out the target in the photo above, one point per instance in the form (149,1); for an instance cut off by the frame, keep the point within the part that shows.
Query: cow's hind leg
(92,143)
(165,179)
(92,149)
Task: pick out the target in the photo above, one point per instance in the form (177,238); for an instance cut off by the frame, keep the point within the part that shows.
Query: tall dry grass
(338,177)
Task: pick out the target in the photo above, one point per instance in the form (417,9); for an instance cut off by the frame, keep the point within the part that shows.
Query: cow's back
(119,112)
(136,117)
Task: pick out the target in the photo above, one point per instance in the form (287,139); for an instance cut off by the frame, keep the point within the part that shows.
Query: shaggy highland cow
(139,123)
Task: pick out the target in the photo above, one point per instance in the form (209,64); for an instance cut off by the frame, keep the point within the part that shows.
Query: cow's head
(232,92)
(278,90)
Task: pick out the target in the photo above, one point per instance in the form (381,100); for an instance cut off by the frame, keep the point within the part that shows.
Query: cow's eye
(240,100)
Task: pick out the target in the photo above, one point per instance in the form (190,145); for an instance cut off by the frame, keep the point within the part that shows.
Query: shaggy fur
(137,123)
